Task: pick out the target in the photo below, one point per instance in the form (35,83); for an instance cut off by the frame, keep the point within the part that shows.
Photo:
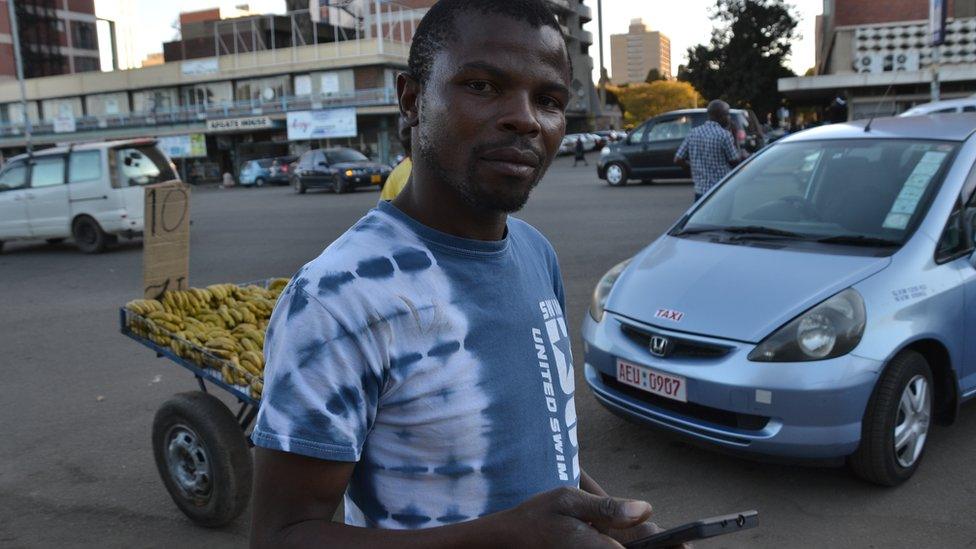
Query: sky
(686,26)
(689,25)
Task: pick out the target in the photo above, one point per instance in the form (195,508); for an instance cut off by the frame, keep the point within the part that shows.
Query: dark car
(338,169)
(647,153)
(280,170)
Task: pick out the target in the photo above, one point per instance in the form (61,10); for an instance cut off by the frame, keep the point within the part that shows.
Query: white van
(91,192)
(967,104)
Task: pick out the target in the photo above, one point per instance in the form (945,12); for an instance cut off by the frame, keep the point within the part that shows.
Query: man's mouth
(512,161)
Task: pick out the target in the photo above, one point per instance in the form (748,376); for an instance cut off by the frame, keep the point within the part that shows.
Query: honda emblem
(660,346)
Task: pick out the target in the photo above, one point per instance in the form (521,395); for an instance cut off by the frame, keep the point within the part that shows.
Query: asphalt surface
(78,398)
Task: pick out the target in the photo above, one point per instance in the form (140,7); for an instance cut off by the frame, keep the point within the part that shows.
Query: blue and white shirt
(710,149)
(440,365)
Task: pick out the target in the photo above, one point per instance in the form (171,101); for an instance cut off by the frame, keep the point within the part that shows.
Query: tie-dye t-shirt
(440,365)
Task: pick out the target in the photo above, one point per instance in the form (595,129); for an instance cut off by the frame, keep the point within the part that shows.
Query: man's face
(492,112)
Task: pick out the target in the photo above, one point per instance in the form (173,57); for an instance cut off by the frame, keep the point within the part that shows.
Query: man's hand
(567,517)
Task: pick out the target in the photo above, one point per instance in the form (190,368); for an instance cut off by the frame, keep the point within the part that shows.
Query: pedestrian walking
(709,151)
(578,148)
(419,370)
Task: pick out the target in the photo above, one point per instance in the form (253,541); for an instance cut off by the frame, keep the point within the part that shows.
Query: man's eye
(550,102)
(479,86)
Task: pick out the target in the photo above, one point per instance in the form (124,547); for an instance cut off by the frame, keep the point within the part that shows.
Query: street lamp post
(15,36)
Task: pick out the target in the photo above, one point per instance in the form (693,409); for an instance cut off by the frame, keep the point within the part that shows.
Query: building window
(83,35)
(87,64)
(965,8)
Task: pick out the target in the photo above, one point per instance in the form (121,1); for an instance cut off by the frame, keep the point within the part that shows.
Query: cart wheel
(203,458)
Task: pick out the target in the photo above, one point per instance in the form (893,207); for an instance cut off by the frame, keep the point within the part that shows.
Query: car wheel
(616,174)
(896,423)
(299,187)
(259,182)
(339,185)
(88,235)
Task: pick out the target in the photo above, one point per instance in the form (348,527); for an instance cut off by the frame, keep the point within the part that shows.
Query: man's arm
(681,159)
(295,498)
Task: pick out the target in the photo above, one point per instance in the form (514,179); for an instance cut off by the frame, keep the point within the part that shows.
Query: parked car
(91,192)
(648,151)
(339,169)
(818,303)
(255,172)
(610,136)
(568,145)
(967,104)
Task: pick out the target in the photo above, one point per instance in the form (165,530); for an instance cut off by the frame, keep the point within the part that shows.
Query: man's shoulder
(523,230)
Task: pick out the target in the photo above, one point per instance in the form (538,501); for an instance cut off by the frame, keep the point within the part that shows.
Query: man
(401,173)
(709,151)
(578,149)
(421,365)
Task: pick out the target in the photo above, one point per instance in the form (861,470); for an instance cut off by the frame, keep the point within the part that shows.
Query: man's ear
(408,98)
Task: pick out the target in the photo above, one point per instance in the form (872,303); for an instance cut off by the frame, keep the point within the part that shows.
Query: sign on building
(937,22)
(329,83)
(64,122)
(198,67)
(184,146)
(322,124)
(239,124)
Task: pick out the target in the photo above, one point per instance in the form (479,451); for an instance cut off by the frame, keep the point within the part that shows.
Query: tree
(746,55)
(654,75)
(642,101)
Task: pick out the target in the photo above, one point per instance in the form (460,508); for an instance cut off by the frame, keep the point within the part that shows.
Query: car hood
(736,292)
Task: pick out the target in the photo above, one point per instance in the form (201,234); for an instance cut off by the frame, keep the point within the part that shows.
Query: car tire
(299,187)
(259,182)
(616,174)
(901,402)
(339,185)
(203,458)
(89,236)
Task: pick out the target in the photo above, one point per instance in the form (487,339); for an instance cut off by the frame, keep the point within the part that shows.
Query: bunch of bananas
(221,327)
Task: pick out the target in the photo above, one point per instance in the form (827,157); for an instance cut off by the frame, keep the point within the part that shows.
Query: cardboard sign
(166,240)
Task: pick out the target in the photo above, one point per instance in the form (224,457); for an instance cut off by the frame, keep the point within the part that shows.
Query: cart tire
(203,458)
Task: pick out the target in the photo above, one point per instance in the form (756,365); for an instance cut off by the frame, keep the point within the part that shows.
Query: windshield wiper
(740,230)
(859,240)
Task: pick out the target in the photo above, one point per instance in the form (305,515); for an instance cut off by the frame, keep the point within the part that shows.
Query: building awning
(824,87)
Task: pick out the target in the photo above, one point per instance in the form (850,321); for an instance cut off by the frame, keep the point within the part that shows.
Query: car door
(47,198)
(320,168)
(632,148)
(960,233)
(305,167)
(662,142)
(13,201)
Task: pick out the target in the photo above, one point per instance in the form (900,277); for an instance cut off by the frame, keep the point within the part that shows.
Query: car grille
(685,348)
(716,416)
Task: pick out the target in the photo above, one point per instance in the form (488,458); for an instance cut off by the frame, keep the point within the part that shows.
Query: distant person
(398,178)
(579,152)
(709,151)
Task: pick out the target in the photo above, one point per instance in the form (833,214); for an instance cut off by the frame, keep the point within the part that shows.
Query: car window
(957,236)
(142,166)
(85,166)
(47,172)
(669,130)
(348,155)
(14,176)
(969,108)
(943,111)
(637,135)
(876,188)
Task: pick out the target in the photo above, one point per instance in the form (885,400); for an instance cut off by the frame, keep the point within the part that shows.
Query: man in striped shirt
(709,150)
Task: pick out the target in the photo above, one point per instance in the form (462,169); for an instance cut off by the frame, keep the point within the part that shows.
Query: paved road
(78,398)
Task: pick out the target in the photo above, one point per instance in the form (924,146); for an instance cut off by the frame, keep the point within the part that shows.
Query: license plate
(652,381)
(376,179)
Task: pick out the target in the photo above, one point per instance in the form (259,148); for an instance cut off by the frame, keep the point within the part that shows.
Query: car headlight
(829,330)
(602,290)
(604,151)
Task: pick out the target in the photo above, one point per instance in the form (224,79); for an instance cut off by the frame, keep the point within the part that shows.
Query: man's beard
(476,196)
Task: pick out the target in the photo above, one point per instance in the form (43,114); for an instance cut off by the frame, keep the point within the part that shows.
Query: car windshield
(345,155)
(867,192)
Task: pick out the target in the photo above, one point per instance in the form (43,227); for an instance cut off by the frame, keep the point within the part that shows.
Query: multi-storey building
(635,54)
(877,54)
(56,37)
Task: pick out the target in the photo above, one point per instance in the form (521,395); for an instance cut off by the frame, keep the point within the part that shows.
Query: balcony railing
(189,114)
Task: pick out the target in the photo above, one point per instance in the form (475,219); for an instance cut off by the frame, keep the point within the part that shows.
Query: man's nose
(519,116)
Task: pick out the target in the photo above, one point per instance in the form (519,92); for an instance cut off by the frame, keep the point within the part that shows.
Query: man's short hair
(437,27)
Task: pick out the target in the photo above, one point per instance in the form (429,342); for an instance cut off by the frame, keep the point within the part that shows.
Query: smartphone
(705,528)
